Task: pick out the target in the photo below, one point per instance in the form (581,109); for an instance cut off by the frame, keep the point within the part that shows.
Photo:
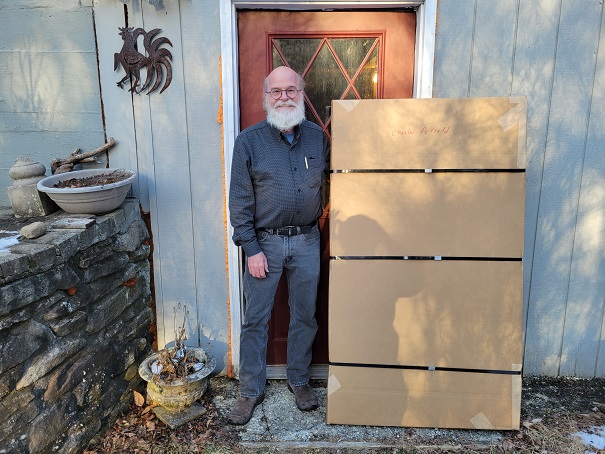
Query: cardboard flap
(474,214)
(448,314)
(466,133)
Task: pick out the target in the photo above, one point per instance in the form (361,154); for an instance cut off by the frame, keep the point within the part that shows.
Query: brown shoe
(243,409)
(305,397)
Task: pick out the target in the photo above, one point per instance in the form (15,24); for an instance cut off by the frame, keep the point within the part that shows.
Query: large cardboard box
(426,276)
(423,398)
(427,313)
(469,133)
(473,214)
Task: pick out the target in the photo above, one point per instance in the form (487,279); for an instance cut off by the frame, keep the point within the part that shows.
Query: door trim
(426,23)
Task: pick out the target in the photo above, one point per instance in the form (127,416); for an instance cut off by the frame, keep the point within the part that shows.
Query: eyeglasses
(276,93)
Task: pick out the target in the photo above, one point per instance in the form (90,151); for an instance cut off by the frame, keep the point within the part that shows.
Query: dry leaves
(552,434)
(140,431)
(139,400)
(565,409)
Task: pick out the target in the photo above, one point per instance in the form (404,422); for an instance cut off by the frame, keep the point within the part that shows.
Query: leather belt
(291,230)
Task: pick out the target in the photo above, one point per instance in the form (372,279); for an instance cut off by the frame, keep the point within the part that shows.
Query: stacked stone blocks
(74,325)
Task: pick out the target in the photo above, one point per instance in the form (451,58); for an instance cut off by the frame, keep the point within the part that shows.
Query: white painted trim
(278,372)
(423,88)
(323,4)
(230,89)
(426,26)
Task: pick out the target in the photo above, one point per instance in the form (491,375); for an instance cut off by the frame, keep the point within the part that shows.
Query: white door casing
(426,22)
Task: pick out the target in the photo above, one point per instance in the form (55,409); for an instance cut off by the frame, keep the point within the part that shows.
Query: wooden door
(341,55)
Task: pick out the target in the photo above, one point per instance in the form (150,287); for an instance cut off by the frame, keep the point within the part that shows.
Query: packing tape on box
(333,384)
(349,104)
(511,118)
(480,421)
(517,115)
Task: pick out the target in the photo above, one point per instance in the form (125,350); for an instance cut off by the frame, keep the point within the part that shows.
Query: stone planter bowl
(90,199)
(181,393)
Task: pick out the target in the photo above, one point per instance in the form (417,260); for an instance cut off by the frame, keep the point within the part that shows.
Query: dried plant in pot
(176,378)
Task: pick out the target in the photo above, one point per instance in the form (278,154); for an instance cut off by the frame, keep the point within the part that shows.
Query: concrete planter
(177,398)
(89,199)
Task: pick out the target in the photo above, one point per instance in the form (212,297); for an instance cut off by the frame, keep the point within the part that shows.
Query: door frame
(426,23)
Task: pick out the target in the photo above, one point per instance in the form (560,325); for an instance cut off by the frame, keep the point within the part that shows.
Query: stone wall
(74,325)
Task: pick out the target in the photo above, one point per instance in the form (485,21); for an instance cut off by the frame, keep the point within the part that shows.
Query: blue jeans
(299,256)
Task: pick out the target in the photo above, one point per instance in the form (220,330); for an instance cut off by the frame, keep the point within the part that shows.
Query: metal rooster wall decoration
(156,60)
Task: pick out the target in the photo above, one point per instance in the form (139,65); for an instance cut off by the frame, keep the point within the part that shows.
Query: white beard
(285,119)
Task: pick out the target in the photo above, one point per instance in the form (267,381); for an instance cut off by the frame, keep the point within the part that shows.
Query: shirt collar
(297,131)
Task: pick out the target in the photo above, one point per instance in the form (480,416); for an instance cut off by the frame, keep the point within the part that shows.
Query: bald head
(282,77)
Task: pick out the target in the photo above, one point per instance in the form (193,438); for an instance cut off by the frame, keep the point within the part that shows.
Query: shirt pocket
(315,170)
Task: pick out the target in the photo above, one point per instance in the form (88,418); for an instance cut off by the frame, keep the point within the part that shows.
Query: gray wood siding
(550,52)
(174,140)
(49,89)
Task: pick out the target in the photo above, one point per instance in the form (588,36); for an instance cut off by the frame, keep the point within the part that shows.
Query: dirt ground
(552,410)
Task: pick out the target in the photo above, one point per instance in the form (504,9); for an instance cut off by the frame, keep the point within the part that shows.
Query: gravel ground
(552,410)
(278,423)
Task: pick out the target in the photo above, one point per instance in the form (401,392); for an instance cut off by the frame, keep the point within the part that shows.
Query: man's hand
(258,266)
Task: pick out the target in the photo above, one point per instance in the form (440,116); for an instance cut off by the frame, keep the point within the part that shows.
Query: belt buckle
(292,230)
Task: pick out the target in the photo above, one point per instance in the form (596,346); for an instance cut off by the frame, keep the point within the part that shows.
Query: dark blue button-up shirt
(275,183)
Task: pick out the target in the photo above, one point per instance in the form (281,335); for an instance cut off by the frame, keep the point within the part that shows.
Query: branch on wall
(77,157)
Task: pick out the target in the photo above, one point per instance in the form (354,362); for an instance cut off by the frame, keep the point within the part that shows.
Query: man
(274,202)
